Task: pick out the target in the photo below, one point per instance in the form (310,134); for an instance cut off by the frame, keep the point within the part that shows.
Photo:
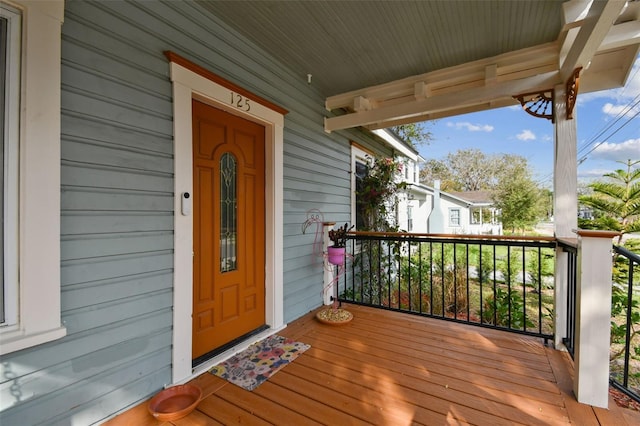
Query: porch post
(327,284)
(565,202)
(593,317)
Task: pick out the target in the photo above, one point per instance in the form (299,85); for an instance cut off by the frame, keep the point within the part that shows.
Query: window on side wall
(10,48)
(454,217)
(360,162)
(30,178)
(476,216)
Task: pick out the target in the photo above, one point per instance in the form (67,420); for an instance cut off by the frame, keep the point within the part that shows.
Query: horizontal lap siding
(117,203)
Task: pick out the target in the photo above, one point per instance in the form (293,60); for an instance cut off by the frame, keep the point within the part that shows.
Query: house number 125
(240,102)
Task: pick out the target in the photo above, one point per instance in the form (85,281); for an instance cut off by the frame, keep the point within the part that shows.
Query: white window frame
(472,220)
(357,155)
(451,210)
(38,229)
(10,157)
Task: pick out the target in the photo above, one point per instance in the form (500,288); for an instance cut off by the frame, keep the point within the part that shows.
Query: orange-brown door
(228,228)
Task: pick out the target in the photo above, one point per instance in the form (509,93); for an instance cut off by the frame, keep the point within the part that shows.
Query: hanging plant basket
(336,255)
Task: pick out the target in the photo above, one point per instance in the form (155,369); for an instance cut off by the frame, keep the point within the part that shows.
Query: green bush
(505,309)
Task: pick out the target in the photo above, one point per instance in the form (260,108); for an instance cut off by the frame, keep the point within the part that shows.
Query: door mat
(253,366)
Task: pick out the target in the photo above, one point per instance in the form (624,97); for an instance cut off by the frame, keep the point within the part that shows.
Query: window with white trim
(454,217)
(10,51)
(360,163)
(30,201)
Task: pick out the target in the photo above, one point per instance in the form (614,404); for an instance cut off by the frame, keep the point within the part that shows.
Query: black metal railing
(490,281)
(625,323)
(571,279)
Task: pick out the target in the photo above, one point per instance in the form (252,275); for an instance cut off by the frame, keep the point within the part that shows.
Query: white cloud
(616,110)
(623,151)
(471,127)
(593,173)
(526,135)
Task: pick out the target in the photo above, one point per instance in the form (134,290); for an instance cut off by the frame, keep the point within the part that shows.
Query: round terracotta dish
(175,402)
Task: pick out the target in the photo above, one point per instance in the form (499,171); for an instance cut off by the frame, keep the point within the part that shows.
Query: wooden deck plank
(421,391)
(383,398)
(441,328)
(579,414)
(228,413)
(196,418)
(492,389)
(305,405)
(468,352)
(251,401)
(484,343)
(395,369)
(439,363)
(394,397)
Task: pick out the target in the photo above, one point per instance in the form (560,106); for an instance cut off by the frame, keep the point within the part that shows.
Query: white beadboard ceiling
(380,63)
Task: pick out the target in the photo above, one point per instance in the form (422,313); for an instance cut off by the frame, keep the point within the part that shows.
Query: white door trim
(188,85)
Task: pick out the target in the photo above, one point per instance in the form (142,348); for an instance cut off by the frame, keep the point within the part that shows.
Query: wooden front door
(228,228)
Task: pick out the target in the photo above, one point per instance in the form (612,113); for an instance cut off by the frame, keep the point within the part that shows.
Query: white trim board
(188,85)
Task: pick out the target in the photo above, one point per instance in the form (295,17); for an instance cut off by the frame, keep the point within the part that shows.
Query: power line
(612,134)
(619,117)
(630,107)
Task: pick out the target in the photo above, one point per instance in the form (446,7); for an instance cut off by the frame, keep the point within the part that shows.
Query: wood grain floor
(388,368)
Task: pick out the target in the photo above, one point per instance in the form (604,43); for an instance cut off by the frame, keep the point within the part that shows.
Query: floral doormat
(253,366)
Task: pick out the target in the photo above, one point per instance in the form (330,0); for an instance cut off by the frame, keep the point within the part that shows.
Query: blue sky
(607,132)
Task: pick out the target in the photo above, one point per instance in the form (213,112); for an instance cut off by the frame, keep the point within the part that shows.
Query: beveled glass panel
(228,213)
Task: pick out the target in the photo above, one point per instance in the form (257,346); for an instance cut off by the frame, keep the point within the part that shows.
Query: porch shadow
(397,369)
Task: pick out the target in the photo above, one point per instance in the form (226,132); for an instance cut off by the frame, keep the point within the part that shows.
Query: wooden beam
(574,13)
(360,103)
(421,90)
(600,19)
(456,100)
(491,74)
(499,103)
(513,62)
(622,35)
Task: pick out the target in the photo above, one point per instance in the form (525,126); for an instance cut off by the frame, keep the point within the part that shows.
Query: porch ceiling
(383,63)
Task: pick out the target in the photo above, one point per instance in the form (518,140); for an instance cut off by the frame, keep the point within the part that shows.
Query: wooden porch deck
(395,369)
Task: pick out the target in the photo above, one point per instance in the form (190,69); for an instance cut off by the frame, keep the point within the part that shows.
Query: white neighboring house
(426,209)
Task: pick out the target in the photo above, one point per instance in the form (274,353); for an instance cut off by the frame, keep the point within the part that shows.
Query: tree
(414,134)
(472,168)
(516,194)
(464,170)
(506,176)
(438,170)
(617,199)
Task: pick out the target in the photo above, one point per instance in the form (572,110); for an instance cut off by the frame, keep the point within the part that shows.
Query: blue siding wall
(117,203)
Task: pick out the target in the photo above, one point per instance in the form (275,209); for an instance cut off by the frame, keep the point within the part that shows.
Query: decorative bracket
(572,91)
(538,104)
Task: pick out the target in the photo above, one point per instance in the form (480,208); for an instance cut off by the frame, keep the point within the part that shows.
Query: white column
(565,168)
(327,287)
(565,202)
(593,317)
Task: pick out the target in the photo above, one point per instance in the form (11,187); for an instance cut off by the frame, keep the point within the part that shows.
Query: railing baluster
(390,271)
(431,277)
(631,260)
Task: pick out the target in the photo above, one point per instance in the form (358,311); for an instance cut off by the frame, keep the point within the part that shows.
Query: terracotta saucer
(175,402)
